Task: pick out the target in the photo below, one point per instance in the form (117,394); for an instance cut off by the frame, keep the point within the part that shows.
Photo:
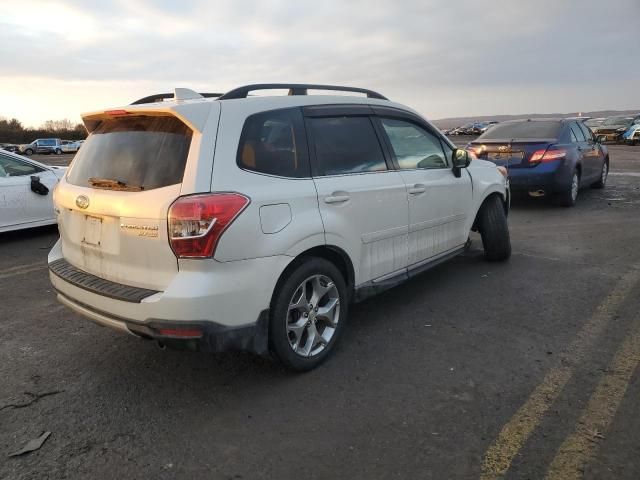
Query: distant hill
(458,121)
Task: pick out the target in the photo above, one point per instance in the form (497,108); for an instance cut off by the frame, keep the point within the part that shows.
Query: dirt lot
(471,370)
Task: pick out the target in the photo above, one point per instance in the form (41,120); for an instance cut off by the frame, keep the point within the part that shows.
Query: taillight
(196,222)
(547,155)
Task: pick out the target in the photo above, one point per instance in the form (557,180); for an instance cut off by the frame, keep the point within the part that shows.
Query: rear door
(363,202)
(583,150)
(592,155)
(438,200)
(114,202)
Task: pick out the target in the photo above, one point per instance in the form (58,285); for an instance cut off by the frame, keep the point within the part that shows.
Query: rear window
(138,152)
(523,130)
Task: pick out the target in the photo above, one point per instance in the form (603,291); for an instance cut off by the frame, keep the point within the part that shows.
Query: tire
(568,197)
(58,151)
(604,173)
(492,224)
(28,151)
(292,339)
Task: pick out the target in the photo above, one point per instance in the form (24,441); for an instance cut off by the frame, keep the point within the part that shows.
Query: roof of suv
(298,95)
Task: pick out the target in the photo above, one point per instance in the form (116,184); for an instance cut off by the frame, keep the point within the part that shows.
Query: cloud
(414,51)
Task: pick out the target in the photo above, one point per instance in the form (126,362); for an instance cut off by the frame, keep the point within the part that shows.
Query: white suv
(253,222)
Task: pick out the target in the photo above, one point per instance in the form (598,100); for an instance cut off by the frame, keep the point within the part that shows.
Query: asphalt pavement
(525,369)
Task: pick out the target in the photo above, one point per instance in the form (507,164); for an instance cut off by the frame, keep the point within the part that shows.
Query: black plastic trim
(97,285)
(296,89)
(371,288)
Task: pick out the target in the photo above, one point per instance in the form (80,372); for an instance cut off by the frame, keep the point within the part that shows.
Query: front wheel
(492,224)
(308,314)
(58,151)
(28,151)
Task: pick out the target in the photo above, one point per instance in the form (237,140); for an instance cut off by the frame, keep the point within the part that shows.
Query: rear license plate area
(505,156)
(92,230)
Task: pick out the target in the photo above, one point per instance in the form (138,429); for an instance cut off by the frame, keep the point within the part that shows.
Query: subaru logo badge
(82,201)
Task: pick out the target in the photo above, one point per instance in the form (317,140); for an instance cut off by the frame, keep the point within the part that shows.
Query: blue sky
(443,58)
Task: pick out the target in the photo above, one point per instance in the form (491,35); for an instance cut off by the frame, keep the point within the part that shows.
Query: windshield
(135,152)
(523,130)
(618,121)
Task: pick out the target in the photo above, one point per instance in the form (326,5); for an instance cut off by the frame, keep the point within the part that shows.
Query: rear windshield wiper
(113,184)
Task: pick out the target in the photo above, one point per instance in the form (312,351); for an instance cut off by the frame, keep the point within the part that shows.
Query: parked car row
(473,128)
(616,129)
(44,146)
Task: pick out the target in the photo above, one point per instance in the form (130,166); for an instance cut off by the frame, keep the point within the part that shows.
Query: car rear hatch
(114,200)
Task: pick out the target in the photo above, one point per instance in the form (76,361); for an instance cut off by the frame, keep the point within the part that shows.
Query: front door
(438,200)
(363,204)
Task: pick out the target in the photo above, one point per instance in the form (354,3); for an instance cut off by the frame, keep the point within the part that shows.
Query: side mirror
(38,187)
(461,159)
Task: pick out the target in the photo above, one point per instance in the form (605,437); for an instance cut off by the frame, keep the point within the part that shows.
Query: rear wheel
(570,195)
(308,314)
(604,173)
(58,151)
(492,224)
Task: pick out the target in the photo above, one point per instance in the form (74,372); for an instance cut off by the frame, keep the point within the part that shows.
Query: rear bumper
(213,337)
(225,300)
(549,177)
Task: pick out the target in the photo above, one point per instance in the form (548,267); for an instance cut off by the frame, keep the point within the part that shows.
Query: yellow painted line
(519,428)
(22,269)
(580,447)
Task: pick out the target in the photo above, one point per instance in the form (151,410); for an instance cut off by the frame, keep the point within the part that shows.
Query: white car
(26,190)
(253,222)
(70,147)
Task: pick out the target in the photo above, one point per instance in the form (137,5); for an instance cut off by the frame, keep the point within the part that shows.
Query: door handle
(336,198)
(417,189)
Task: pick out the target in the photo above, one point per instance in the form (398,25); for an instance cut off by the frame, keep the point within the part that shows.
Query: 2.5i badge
(140,230)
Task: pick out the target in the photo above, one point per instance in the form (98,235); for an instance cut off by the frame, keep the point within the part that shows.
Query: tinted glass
(523,130)
(413,146)
(346,145)
(47,143)
(577,132)
(138,151)
(587,133)
(270,143)
(11,167)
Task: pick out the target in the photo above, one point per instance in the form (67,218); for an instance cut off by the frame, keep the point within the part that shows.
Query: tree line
(12,131)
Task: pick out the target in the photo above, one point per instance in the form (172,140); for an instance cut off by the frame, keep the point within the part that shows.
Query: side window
(587,133)
(577,132)
(273,143)
(11,167)
(574,139)
(346,145)
(413,146)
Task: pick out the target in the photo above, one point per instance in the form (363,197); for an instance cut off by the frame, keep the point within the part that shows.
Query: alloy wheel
(313,315)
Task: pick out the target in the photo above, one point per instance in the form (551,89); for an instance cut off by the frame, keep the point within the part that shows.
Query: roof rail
(158,97)
(296,89)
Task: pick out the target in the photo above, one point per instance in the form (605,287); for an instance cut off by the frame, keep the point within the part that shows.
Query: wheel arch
(331,253)
(504,198)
